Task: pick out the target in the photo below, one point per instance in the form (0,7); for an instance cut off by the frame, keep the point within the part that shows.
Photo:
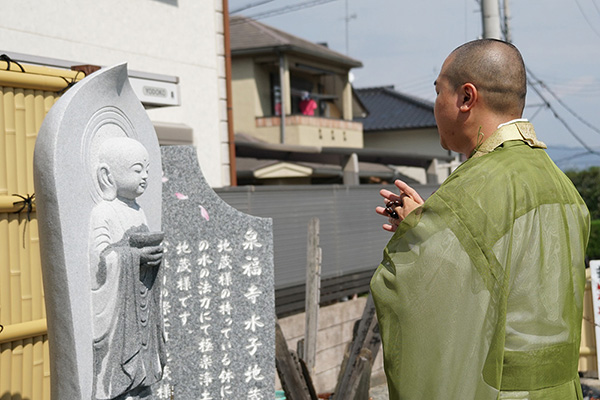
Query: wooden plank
(291,380)
(307,379)
(352,370)
(359,389)
(313,287)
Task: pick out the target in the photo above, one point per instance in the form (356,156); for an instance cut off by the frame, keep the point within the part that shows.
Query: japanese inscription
(218,300)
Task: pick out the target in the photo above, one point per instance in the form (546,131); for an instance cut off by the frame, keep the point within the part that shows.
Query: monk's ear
(468,97)
(106,182)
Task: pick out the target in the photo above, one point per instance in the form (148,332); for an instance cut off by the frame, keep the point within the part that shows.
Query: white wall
(180,38)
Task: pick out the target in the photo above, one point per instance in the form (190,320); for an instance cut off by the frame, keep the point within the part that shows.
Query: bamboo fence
(25,98)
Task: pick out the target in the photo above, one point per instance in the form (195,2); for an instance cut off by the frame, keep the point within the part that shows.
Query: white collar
(514,120)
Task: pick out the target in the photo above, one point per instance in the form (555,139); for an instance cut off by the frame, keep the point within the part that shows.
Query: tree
(587,183)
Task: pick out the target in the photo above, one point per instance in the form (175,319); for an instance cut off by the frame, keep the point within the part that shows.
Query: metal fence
(351,237)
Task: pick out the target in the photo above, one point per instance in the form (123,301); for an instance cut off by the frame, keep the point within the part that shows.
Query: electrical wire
(283,10)
(248,6)
(562,103)
(596,6)
(586,18)
(561,120)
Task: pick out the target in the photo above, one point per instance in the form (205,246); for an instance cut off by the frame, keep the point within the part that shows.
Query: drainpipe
(282,94)
(230,132)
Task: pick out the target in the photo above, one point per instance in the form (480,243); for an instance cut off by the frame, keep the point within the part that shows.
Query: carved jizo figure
(129,348)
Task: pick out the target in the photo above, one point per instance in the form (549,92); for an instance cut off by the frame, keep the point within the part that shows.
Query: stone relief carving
(128,342)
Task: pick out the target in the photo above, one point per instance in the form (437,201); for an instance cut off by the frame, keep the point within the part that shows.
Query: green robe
(479,294)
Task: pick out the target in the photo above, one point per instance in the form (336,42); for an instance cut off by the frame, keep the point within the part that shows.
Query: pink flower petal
(181,196)
(204,213)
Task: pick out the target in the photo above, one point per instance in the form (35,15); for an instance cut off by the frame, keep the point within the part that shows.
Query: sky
(404,43)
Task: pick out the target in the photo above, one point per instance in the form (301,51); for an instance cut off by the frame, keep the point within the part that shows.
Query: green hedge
(593,250)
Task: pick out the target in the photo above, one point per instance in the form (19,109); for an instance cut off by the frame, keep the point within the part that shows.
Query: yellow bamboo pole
(22,186)
(17,366)
(31,81)
(5,290)
(6,367)
(15,271)
(38,368)
(32,237)
(39,309)
(26,354)
(39,70)
(46,369)
(30,136)
(9,131)
(40,111)
(20,142)
(7,203)
(27,368)
(49,101)
(24,330)
(13,223)
(3,184)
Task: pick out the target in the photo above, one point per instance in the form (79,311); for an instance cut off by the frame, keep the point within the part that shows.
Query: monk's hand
(151,255)
(398,206)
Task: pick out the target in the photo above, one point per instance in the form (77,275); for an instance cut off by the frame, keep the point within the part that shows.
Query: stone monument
(218,291)
(97,172)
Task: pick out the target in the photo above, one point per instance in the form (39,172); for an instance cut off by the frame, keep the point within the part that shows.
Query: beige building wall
(263,88)
(245,102)
(417,141)
(309,131)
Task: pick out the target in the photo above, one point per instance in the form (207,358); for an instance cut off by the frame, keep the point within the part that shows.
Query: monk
(479,294)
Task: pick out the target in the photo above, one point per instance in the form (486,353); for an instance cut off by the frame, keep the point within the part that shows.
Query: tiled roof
(250,36)
(390,110)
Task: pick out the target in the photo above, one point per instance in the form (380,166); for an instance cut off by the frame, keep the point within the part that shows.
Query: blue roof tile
(391,110)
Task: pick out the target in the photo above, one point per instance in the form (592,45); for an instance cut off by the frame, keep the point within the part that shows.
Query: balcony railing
(312,131)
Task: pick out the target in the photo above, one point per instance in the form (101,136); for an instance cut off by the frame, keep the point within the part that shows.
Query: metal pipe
(490,15)
(230,130)
(507,34)
(282,94)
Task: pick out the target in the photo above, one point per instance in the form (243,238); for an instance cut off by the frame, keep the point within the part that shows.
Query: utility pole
(490,14)
(507,35)
(348,18)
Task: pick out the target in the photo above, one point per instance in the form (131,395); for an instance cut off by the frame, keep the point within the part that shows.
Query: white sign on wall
(595,272)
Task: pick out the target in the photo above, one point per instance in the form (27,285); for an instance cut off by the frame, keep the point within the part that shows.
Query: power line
(562,103)
(596,6)
(284,10)
(561,120)
(250,5)
(586,18)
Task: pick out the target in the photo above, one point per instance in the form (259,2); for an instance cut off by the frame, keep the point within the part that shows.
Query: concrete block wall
(335,332)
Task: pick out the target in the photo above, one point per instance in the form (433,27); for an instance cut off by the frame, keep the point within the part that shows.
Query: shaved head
(497,70)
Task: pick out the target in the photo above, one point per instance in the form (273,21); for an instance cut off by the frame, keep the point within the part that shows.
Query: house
(405,124)
(273,72)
